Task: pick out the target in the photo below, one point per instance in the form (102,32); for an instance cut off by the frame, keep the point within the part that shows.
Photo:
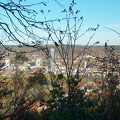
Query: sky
(106,13)
(102,12)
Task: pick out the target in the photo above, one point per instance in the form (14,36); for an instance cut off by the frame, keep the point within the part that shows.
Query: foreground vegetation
(61,96)
(65,100)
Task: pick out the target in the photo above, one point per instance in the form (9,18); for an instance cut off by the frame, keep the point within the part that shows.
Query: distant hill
(93,50)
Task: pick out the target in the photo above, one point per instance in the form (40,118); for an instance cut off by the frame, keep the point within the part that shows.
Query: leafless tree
(19,23)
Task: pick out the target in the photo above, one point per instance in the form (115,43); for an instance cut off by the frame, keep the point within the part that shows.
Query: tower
(38,62)
(85,63)
(52,58)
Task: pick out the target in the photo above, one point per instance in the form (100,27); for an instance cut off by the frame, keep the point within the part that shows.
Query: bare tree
(63,40)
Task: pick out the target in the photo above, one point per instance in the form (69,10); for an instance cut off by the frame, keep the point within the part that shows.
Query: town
(53,64)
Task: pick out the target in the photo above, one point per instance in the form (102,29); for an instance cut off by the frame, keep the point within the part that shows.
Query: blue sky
(106,13)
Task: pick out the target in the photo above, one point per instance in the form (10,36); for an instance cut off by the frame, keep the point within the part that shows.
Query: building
(7,63)
(38,62)
(52,58)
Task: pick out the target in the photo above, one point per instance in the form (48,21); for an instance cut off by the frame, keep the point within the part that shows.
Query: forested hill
(78,48)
